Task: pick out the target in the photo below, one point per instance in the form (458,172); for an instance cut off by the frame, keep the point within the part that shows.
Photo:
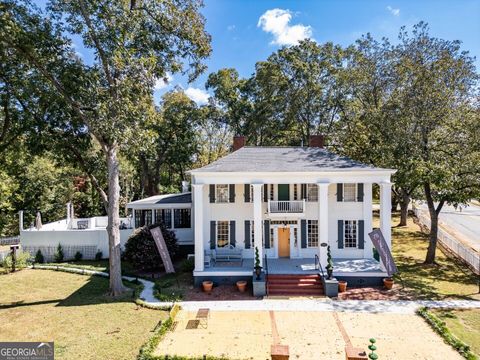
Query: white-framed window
(312,192)
(222,193)
(295,192)
(349,192)
(223,234)
(165,216)
(351,234)
(312,231)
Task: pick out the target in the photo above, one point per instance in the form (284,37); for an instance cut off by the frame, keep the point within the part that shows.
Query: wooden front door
(284,242)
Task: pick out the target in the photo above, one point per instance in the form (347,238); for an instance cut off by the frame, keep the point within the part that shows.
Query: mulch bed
(220,292)
(375,293)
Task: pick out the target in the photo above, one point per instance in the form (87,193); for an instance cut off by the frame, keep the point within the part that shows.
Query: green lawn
(74,312)
(464,324)
(445,279)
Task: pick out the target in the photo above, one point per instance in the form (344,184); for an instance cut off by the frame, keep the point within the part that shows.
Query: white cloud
(231,27)
(394,12)
(198,95)
(161,83)
(277,22)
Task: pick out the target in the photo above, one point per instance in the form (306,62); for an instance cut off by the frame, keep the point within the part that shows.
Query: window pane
(164,216)
(312,233)
(349,192)
(182,218)
(350,233)
(312,192)
(222,234)
(222,193)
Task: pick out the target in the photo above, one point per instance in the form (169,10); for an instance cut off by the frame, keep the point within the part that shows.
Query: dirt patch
(376,293)
(309,335)
(221,292)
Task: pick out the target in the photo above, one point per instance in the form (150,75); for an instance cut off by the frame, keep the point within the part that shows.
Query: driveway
(463,224)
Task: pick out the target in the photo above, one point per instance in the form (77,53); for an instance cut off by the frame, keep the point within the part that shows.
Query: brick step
(292,276)
(315,292)
(297,286)
(294,281)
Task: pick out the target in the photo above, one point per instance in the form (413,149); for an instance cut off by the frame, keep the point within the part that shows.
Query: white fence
(296,206)
(449,242)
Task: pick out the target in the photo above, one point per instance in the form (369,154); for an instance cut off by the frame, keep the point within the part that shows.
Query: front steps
(295,285)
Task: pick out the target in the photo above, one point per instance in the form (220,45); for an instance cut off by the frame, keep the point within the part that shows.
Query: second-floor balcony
(286,207)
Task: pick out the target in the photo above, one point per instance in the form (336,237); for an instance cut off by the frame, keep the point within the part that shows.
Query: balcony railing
(286,207)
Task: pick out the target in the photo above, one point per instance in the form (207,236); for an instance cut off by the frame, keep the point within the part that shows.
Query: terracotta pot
(241,286)
(207,286)
(342,286)
(388,282)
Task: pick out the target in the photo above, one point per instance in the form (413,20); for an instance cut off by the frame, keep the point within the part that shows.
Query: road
(464,224)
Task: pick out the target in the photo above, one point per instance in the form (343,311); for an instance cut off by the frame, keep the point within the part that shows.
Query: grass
(447,279)
(463,324)
(172,287)
(74,312)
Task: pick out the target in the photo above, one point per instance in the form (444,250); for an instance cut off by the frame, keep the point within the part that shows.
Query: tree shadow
(23,303)
(95,291)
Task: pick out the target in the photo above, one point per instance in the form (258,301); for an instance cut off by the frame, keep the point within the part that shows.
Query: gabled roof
(284,159)
(183,198)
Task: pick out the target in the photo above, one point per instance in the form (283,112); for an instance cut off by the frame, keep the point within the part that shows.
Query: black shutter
(303,226)
(340,192)
(231,193)
(341,234)
(360,192)
(247,234)
(303,191)
(212,193)
(212,234)
(232,233)
(266,229)
(246,192)
(361,235)
(265,192)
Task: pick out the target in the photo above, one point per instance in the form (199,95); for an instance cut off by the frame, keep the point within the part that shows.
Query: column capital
(323,184)
(197,186)
(257,185)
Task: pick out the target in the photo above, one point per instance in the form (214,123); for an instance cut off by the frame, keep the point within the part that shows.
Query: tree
(437,101)
(134,44)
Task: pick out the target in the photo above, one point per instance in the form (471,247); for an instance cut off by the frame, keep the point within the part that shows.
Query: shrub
(78,256)
(22,260)
(39,257)
(188,265)
(99,255)
(141,251)
(58,256)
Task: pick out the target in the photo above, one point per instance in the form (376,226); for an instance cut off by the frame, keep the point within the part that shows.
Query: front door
(283,192)
(284,242)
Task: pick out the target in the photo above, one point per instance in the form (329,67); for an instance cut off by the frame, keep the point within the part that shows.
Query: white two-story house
(290,203)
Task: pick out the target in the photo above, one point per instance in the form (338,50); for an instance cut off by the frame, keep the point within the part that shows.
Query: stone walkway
(297,304)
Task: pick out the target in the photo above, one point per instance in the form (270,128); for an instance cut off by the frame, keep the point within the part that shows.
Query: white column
(322,222)
(385,211)
(198,225)
(257,220)
(367,217)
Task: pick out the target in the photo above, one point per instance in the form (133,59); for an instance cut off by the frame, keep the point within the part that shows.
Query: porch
(341,267)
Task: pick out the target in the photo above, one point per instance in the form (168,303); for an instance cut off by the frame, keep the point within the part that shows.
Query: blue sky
(246,31)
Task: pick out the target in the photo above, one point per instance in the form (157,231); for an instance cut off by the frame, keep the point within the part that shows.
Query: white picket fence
(449,242)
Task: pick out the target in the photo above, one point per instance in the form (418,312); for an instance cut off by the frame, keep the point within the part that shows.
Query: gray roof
(283,159)
(183,198)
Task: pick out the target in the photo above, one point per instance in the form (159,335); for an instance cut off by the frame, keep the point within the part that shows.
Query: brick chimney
(316,141)
(238,142)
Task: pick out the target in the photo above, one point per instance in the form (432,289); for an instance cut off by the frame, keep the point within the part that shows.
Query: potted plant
(258,268)
(207,286)
(329,266)
(241,285)
(342,286)
(388,282)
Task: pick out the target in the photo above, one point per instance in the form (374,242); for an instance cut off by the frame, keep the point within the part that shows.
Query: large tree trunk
(404,202)
(433,236)
(113,227)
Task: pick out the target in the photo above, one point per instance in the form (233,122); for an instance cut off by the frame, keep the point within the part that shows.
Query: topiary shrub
(141,251)
(99,255)
(59,256)
(78,256)
(39,257)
